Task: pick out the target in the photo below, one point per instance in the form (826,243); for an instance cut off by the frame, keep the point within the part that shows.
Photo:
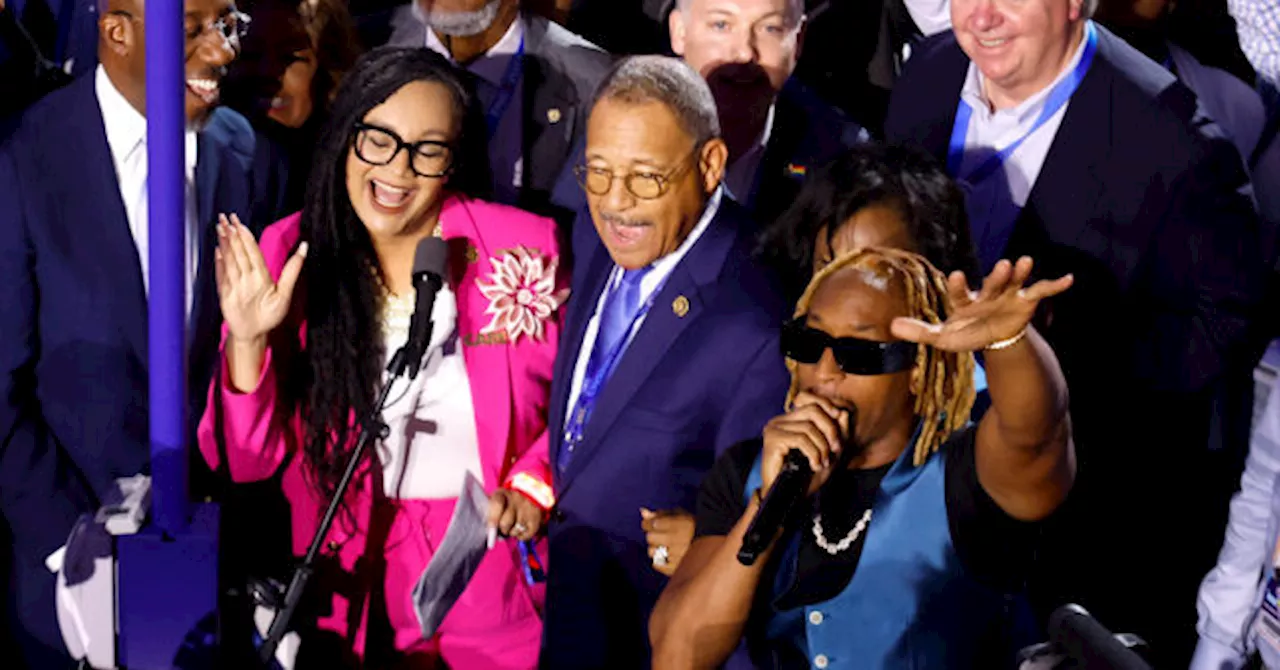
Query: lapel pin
(680,306)
(472,253)
(553,115)
(794,170)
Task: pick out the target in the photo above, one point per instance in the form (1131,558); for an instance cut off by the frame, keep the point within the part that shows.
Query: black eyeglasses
(379,146)
(643,185)
(855,356)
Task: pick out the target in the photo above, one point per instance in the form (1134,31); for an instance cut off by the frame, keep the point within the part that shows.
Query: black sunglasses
(855,356)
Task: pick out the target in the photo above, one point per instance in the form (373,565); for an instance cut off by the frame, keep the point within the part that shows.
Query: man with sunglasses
(74,286)
(668,357)
(919,526)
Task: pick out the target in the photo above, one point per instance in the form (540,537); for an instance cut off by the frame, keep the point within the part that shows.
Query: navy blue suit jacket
(73,345)
(1141,198)
(686,389)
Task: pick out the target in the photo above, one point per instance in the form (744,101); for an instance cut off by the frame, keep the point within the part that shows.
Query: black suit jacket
(1140,197)
(73,351)
(807,134)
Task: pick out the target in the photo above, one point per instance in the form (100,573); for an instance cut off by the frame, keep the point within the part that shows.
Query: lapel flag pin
(794,170)
(680,306)
(553,115)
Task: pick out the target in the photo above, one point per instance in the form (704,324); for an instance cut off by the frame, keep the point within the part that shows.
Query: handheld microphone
(1076,634)
(429,261)
(788,488)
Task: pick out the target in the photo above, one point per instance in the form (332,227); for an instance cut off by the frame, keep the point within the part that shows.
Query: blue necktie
(619,312)
(616,319)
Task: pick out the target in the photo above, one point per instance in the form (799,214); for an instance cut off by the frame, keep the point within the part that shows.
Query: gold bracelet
(757,496)
(1005,344)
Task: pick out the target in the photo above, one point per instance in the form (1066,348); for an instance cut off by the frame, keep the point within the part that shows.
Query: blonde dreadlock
(942,381)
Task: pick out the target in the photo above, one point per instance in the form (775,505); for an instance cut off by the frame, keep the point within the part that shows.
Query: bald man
(74,285)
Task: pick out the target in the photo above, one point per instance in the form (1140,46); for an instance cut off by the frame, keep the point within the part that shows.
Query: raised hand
(998,312)
(253,304)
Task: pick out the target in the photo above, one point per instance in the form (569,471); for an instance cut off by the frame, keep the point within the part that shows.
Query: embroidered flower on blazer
(522,293)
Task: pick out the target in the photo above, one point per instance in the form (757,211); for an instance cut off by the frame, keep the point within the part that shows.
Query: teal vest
(910,603)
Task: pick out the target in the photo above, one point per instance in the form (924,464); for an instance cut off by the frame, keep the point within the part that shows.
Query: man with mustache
(533,80)
(1079,151)
(74,284)
(669,355)
(775,128)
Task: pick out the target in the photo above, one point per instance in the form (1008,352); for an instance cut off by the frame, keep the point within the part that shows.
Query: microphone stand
(405,361)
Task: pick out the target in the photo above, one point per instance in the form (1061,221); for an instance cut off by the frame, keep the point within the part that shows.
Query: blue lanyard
(507,91)
(595,378)
(1057,98)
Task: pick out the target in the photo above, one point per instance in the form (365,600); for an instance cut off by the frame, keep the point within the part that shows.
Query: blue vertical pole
(166,306)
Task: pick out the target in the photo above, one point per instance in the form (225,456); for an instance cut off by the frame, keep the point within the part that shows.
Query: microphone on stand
(429,261)
(428,277)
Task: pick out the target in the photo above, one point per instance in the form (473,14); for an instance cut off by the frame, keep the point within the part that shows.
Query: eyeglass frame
(401,145)
(219,24)
(664,180)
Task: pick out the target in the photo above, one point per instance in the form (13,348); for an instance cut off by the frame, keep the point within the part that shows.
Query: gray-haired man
(533,80)
(670,355)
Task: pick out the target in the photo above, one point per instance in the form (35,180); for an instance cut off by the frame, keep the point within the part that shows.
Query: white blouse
(431,443)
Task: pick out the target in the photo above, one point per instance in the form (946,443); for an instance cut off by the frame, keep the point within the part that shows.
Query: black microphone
(788,488)
(428,277)
(1074,633)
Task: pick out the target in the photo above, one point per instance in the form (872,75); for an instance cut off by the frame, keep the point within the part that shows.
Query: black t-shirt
(994,548)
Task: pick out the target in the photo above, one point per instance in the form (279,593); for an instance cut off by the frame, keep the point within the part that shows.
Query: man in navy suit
(776,128)
(73,288)
(670,354)
(1080,152)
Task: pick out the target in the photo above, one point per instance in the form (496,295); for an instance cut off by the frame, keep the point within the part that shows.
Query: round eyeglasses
(642,185)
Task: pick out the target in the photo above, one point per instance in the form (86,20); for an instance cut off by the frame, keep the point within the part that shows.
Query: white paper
(456,558)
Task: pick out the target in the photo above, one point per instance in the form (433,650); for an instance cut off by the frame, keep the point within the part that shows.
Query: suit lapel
(582,306)
(1069,187)
(771,181)
(206,314)
(97,217)
(661,329)
(550,115)
(488,365)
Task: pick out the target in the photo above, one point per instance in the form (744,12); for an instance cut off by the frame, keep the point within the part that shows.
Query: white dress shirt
(431,441)
(995,203)
(651,282)
(127,139)
(506,148)
(740,178)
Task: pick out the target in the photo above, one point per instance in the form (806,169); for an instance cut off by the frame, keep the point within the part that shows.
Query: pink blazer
(496,623)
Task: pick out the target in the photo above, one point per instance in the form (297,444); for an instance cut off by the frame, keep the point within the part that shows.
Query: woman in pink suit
(300,365)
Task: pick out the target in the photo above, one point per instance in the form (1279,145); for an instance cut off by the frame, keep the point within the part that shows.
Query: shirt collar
(492,65)
(765,133)
(1028,110)
(663,267)
(127,128)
